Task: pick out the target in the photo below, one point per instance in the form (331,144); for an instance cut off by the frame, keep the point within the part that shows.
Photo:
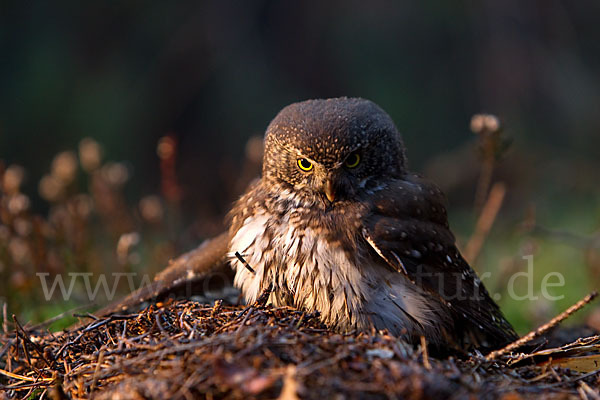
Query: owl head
(333,148)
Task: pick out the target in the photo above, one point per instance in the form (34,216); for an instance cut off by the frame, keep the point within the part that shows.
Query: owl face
(333,148)
(338,179)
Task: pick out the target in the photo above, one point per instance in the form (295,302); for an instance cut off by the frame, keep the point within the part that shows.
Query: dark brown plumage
(337,224)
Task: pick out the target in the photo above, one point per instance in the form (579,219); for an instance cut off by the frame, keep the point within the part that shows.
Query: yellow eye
(304,164)
(353,160)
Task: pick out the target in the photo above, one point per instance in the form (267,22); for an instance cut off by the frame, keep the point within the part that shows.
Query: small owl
(338,225)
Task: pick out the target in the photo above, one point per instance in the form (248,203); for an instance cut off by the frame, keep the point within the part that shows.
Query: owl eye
(353,160)
(304,164)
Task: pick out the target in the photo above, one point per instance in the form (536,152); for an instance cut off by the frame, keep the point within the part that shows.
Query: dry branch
(544,328)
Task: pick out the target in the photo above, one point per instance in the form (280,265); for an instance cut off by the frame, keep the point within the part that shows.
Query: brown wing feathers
(408,228)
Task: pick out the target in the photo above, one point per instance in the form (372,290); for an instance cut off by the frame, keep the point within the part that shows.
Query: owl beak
(330,190)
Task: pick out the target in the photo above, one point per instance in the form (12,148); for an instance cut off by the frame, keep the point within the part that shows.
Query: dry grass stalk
(484,222)
(491,144)
(544,328)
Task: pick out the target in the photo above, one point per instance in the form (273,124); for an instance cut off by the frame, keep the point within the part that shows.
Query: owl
(338,225)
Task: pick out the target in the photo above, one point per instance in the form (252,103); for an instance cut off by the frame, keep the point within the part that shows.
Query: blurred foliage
(92,231)
(207,77)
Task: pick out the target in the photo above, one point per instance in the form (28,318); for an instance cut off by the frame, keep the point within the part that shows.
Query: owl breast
(307,270)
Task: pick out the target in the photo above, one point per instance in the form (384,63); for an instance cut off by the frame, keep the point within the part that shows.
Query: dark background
(213,74)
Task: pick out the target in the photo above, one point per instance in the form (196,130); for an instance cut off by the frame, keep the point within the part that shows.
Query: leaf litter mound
(185,349)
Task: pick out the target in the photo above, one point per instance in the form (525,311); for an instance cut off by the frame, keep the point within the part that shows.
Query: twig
(95,325)
(5,317)
(157,316)
(216,308)
(544,328)
(564,381)
(264,297)
(485,221)
(243,323)
(86,315)
(259,303)
(24,378)
(24,386)
(426,362)
(25,337)
(6,347)
(96,370)
(245,263)
(590,393)
(57,317)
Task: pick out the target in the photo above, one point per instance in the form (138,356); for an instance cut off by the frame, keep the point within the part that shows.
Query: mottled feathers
(366,244)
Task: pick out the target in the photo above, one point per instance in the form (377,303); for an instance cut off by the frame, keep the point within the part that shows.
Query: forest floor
(185,349)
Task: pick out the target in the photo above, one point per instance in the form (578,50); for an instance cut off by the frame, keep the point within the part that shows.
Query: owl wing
(408,228)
